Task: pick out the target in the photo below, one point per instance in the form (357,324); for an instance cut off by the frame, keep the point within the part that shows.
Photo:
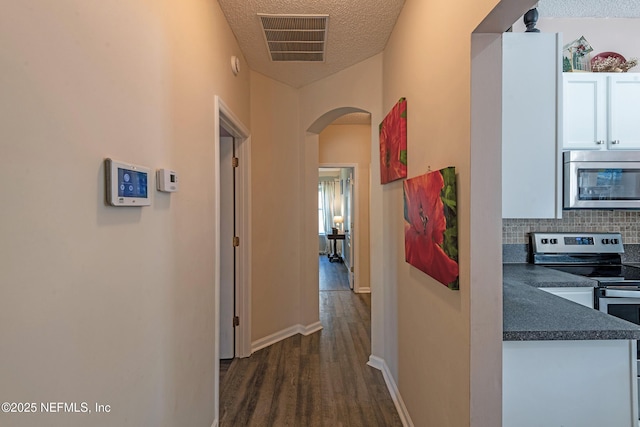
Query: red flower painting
(393,144)
(430,228)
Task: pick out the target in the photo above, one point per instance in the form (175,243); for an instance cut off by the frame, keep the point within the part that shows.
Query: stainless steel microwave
(601,179)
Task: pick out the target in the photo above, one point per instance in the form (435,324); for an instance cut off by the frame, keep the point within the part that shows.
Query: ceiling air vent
(295,38)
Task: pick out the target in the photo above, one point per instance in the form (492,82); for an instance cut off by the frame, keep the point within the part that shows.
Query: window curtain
(328,196)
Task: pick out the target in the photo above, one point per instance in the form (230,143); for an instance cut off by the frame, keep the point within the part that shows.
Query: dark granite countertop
(534,315)
(543,277)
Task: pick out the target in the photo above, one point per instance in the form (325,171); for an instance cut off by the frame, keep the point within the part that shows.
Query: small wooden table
(334,256)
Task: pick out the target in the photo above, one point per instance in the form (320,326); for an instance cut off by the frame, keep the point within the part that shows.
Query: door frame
(356,222)
(224,117)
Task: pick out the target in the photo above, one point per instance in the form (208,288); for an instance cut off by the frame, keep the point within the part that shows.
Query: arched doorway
(343,140)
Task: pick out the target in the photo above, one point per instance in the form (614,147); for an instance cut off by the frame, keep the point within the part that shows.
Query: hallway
(316,380)
(333,276)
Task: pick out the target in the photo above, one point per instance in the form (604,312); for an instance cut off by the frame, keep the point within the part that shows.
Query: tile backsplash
(626,222)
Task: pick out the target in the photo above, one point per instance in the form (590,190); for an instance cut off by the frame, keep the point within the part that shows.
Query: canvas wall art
(431,226)
(393,144)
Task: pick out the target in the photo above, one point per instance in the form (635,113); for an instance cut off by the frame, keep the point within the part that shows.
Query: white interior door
(227,250)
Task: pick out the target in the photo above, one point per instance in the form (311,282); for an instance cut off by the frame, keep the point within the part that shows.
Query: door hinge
(236,241)
(235,162)
(236,321)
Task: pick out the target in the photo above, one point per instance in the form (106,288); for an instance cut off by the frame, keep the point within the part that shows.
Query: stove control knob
(544,241)
(615,241)
(605,241)
(554,241)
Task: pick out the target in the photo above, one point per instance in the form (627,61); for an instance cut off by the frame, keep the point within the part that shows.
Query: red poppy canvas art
(393,144)
(430,225)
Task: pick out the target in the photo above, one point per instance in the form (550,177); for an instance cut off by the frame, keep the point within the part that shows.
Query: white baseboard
(284,334)
(310,329)
(381,365)
(361,290)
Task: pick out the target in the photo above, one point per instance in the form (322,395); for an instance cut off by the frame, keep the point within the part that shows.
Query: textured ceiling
(589,8)
(359,30)
(356,31)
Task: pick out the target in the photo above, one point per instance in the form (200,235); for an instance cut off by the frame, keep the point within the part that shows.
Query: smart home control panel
(126,184)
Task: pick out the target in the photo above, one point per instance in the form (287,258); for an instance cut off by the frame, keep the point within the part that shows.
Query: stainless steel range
(599,257)
(594,255)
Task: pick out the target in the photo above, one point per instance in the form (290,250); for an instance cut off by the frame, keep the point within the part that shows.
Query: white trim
(216,262)
(379,364)
(356,221)
(363,290)
(310,329)
(223,116)
(215,423)
(243,288)
(273,338)
(284,334)
(230,120)
(633,346)
(376,362)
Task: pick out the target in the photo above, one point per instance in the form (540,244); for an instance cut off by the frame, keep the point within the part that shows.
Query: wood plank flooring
(333,275)
(318,380)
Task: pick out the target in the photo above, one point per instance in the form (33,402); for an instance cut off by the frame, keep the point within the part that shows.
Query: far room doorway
(336,228)
(344,157)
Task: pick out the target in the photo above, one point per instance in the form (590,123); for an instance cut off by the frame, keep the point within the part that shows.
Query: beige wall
(352,144)
(357,88)
(115,305)
(104,304)
(438,360)
(346,144)
(285,161)
(276,217)
(604,35)
(433,322)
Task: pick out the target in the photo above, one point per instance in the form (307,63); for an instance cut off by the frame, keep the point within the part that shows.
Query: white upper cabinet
(601,111)
(624,111)
(584,112)
(531,76)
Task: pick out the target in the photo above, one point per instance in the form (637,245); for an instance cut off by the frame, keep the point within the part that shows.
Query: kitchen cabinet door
(584,113)
(624,111)
(531,75)
(553,383)
(600,111)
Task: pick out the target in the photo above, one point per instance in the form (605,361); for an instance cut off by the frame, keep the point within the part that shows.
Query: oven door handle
(618,293)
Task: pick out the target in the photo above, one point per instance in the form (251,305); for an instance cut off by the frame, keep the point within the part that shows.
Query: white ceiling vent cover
(295,38)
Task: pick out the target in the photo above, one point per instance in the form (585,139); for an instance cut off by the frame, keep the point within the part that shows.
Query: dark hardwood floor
(318,380)
(333,275)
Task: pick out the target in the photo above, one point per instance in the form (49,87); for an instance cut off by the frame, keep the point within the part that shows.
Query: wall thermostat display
(166,180)
(126,184)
